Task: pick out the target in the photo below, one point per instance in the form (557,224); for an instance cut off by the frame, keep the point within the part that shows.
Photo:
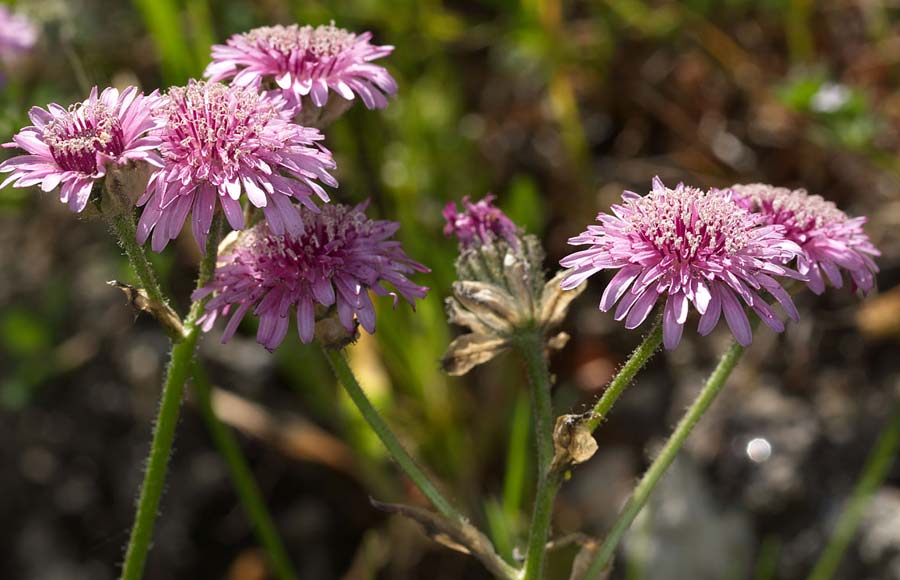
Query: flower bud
(122,187)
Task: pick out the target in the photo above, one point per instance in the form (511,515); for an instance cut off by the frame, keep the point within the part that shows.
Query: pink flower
(218,142)
(692,247)
(339,256)
(17,33)
(302,60)
(828,238)
(72,148)
(479,223)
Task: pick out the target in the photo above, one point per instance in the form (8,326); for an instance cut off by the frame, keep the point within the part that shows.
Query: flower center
(77,137)
(688,223)
(213,127)
(321,42)
(319,251)
(795,209)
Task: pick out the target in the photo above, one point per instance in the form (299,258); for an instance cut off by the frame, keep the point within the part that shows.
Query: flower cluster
(479,223)
(829,239)
(211,144)
(71,148)
(305,61)
(340,255)
(232,147)
(218,142)
(720,251)
(690,247)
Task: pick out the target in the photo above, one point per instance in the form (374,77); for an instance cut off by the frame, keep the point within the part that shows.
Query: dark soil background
(556,108)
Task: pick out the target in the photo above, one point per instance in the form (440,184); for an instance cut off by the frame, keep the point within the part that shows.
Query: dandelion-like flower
(302,60)
(339,256)
(72,148)
(479,223)
(17,33)
(219,141)
(693,247)
(830,240)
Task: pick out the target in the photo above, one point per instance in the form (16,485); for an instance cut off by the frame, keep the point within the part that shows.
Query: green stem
(124,227)
(635,363)
(345,376)
(516,471)
(676,441)
(549,481)
(242,477)
(180,365)
(531,347)
(873,474)
(245,485)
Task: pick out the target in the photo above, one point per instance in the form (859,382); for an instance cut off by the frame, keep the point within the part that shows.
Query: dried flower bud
(501,290)
(330,332)
(142,302)
(572,441)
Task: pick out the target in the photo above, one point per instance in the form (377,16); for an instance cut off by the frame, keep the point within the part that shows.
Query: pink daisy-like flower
(17,33)
(219,141)
(71,148)
(830,240)
(302,60)
(479,223)
(693,247)
(340,255)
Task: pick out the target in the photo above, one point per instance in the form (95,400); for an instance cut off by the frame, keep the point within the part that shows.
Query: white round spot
(759,450)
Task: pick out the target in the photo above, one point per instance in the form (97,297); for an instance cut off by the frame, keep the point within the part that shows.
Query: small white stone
(759,450)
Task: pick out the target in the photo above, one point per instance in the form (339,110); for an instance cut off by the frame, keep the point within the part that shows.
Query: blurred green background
(555,107)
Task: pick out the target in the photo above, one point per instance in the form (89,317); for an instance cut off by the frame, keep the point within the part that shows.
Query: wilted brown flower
(501,290)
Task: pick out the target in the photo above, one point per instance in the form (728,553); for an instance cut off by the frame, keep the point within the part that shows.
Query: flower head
(829,239)
(338,257)
(71,148)
(479,223)
(502,290)
(302,60)
(17,33)
(692,246)
(219,141)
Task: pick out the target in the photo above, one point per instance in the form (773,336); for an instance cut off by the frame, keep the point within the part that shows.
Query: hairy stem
(180,364)
(659,466)
(530,346)
(876,469)
(125,230)
(635,363)
(550,478)
(244,484)
(345,376)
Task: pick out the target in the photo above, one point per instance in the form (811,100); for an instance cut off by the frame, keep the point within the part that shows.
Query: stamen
(321,41)
(215,123)
(686,222)
(75,138)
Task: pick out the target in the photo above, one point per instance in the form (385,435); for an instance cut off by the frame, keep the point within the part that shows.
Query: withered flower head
(502,289)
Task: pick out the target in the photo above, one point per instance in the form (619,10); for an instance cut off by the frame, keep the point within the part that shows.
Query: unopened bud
(331,333)
(122,187)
